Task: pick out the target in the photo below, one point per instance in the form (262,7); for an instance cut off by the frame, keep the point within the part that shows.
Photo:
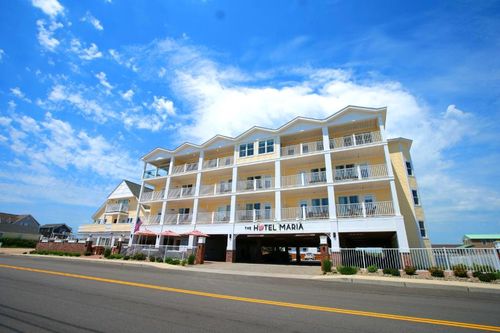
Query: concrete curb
(468,287)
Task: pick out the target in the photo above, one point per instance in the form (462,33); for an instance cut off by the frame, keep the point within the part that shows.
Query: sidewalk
(290,272)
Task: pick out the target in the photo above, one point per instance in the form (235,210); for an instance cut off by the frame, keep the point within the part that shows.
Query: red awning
(169,233)
(196,233)
(146,233)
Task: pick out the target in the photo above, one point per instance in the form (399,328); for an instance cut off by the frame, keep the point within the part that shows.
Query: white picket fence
(474,259)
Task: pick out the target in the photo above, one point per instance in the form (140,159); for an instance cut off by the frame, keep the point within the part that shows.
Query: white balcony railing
(305,213)
(212,217)
(178,218)
(184,168)
(218,162)
(182,192)
(156,172)
(360,172)
(152,219)
(117,208)
(152,196)
(303,179)
(265,183)
(353,140)
(365,209)
(215,189)
(255,215)
(302,148)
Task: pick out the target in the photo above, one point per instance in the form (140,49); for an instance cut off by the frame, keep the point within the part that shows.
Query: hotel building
(271,189)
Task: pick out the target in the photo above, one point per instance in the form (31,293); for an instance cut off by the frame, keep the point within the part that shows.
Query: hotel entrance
(278,249)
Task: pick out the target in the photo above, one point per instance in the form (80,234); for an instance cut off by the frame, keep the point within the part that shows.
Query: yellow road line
(263,301)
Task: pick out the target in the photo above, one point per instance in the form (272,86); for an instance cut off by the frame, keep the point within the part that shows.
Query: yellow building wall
(293,198)
(381,194)
(212,205)
(371,160)
(291,170)
(256,156)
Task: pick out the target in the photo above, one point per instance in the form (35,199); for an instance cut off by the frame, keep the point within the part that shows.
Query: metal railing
(214,189)
(254,215)
(218,162)
(185,168)
(152,219)
(303,179)
(178,218)
(304,213)
(353,140)
(156,172)
(181,192)
(365,209)
(360,172)
(485,260)
(115,208)
(152,196)
(265,183)
(212,217)
(302,148)
(180,252)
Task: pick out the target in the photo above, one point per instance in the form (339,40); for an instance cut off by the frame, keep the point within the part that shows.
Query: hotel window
(416,201)
(246,149)
(422,228)
(266,146)
(409,169)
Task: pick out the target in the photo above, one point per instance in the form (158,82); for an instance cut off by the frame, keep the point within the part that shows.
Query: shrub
(482,268)
(175,262)
(436,272)
(107,252)
(139,256)
(183,262)
(17,242)
(159,259)
(372,268)
(460,271)
(347,270)
(326,265)
(487,277)
(410,270)
(191,259)
(168,260)
(126,257)
(387,271)
(33,252)
(497,275)
(391,271)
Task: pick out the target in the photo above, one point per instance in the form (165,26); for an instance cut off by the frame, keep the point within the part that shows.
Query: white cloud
(129,63)
(49,7)
(19,94)
(162,72)
(12,105)
(101,76)
(5,121)
(128,95)
(92,20)
(163,106)
(46,34)
(2,53)
(90,53)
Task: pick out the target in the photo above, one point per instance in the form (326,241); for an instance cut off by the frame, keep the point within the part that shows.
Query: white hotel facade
(283,188)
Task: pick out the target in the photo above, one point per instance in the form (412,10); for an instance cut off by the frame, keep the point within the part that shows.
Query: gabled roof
(295,121)
(55,225)
(14,218)
(134,188)
(482,236)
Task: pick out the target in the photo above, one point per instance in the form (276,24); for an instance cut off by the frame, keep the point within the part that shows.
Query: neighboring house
(115,216)
(447,246)
(19,226)
(481,240)
(285,187)
(59,230)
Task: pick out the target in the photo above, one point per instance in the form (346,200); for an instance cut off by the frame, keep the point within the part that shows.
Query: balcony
(303,179)
(153,173)
(302,148)
(365,209)
(212,217)
(182,192)
(152,196)
(354,140)
(187,167)
(215,189)
(360,172)
(117,208)
(151,219)
(255,184)
(218,162)
(255,215)
(304,213)
(178,218)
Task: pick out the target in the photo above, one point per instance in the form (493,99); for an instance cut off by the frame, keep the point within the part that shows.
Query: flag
(138,223)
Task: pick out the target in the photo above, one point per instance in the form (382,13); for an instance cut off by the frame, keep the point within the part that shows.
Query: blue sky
(88,87)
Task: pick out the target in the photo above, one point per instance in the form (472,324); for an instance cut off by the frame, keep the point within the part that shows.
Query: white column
(167,187)
(132,228)
(230,242)
(277,193)
(191,242)
(232,212)
(197,188)
(157,241)
(332,211)
(401,234)
(390,172)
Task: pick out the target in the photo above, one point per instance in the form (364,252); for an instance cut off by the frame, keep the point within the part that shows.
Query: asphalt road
(41,302)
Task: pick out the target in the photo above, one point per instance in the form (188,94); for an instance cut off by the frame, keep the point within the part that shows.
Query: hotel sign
(275,227)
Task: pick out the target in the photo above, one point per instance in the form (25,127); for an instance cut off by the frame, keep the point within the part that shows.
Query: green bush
(17,242)
(126,257)
(482,268)
(326,265)
(159,259)
(175,262)
(391,271)
(387,271)
(372,269)
(107,252)
(460,271)
(436,272)
(487,277)
(168,260)
(139,256)
(410,270)
(347,270)
(191,259)
(183,262)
